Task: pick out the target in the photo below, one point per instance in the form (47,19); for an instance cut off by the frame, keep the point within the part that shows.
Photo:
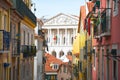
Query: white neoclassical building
(60,32)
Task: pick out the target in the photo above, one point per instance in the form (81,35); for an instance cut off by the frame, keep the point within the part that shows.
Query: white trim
(4,52)
(51,73)
(116,10)
(59,27)
(115,46)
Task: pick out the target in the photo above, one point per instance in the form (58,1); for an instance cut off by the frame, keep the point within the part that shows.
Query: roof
(72,16)
(50,59)
(82,16)
(83,12)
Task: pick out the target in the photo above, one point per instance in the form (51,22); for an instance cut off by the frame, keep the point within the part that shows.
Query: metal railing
(23,10)
(28,50)
(4,40)
(105,24)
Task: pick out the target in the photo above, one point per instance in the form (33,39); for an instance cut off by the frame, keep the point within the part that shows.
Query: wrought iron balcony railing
(23,10)
(105,22)
(28,50)
(4,41)
(103,29)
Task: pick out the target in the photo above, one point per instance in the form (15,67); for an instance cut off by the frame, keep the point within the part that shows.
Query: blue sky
(49,8)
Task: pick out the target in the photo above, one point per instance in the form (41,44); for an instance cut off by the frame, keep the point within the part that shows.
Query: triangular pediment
(62,19)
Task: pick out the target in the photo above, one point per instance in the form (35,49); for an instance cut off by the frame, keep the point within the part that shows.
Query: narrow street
(59,40)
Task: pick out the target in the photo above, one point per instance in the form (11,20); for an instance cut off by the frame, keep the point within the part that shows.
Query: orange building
(51,66)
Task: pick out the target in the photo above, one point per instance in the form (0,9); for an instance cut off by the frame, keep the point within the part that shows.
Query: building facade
(64,72)
(39,59)
(5,62)
(51,66)
(61,30)
(107,42)
(103,59)
(16,54)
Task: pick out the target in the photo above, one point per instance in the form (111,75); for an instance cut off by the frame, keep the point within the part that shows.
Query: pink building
(65,71)
(106,42)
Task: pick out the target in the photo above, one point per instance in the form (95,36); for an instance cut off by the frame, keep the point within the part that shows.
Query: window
(24,38)
(1,71)
(94,58)
(69,53)
(54,53)
(32,39)
(114,53)
(65,69)
(13,37)
(28,38)
(62,79)
(114,70)
(52,77)
(72,40)
(5,22)
(61,53)
(60,69)
(115,7)
(55,66)
(64,40)
(0,21)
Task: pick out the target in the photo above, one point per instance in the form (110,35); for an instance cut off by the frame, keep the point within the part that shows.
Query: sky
(50,8)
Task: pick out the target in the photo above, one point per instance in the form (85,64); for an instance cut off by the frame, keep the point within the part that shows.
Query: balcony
(28,50)
(103,30)
(4,41)
(23,10)
(105,22)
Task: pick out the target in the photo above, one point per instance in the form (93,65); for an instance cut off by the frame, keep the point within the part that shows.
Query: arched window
(72,40)
(54,53)
(61,53)
(64,40)
(69,53)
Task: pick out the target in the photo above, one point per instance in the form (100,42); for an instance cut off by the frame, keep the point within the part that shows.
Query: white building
(61,30)
(38,60)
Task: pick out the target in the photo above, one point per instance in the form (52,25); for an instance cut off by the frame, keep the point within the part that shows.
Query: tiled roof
(51,60)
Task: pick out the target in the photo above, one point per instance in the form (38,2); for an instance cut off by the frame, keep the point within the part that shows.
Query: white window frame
(115,46)
(115,7)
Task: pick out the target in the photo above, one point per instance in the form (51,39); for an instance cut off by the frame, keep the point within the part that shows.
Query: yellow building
(17,48)
(5,6)
(85,33)
(28,48)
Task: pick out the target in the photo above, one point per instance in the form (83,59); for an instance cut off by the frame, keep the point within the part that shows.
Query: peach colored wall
(113,39)
(63,75)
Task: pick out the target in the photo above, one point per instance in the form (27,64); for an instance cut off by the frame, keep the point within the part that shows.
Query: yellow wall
(28,23)
(2,14)
(4,25)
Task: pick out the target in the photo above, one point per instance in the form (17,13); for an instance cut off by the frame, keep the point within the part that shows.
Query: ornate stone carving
(62,20)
